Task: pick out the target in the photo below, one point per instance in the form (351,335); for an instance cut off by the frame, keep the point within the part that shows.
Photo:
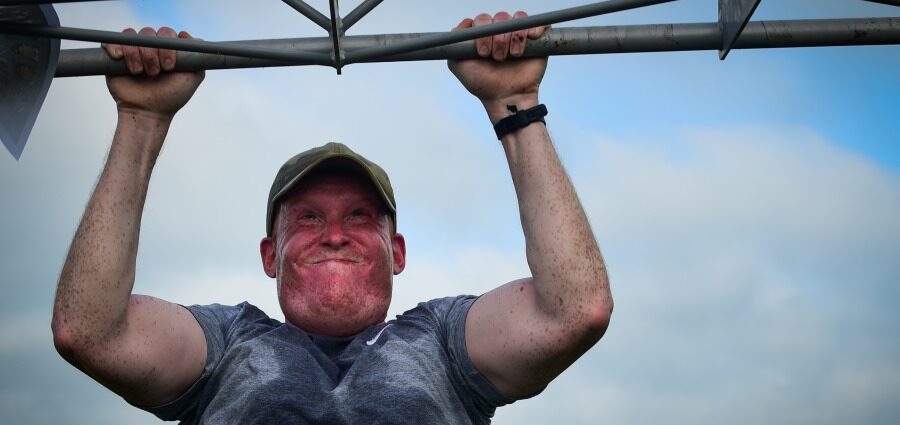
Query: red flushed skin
(333,254)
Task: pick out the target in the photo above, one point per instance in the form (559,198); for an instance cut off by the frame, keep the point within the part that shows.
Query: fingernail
(117,51)
(170,63)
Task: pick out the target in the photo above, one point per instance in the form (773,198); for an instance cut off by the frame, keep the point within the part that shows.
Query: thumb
(113,50)
(537,32)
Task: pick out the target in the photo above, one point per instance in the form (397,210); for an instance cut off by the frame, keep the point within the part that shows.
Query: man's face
(333,254)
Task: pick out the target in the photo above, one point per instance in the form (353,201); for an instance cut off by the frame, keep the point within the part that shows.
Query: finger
(484,44)
(150,55)
(132,55)
(186,35)
(166,56)
(536,32)
(465,23)
(113,50)
(501,41)
(517,43)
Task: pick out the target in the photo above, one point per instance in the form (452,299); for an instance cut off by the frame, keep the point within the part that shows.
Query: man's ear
(398,246)
(267,252)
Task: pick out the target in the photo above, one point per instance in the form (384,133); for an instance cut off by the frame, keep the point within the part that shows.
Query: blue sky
(746,208)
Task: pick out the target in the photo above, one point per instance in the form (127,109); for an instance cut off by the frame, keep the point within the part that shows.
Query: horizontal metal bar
(29,2)
(440,39)
(311,13)
(362,10)
(558,41)
(191,45)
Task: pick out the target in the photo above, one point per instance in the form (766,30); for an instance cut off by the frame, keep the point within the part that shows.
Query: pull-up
(332,246)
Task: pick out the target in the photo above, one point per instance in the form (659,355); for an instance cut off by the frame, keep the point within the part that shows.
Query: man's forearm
(98,276)
(567,268)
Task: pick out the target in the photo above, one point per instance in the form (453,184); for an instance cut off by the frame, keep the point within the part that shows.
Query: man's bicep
(159,355)
(514,344)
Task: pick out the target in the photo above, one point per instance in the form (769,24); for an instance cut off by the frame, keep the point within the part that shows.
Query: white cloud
(24,332)
(745,260)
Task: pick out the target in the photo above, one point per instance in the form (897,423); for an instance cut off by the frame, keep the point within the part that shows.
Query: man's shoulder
(224,316)
(437,304)
(439,310)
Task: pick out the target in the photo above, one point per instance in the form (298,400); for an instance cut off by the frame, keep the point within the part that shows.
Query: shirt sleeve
(451,314)
(216,321)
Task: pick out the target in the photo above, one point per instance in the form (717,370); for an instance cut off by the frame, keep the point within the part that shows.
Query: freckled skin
(333,254)
(145,349)
(525,333)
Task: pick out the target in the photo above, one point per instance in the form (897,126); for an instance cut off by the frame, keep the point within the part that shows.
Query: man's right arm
(147,350)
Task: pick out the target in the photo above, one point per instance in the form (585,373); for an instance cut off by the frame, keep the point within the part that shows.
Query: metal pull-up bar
(557,41)
(32,30)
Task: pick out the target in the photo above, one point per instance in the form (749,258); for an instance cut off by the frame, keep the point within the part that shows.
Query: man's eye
(358,215)
(309,217)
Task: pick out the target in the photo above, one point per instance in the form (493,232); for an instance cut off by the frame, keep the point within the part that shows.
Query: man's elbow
(70,340)
(64,338)
(597,307)
(599,316)
(597,310)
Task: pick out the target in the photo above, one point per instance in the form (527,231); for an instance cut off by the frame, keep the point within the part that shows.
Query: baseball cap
(293,171)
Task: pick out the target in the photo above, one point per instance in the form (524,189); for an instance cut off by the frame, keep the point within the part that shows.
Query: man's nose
(335,234)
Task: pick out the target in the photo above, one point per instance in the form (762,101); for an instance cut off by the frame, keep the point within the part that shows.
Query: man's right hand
(152,88)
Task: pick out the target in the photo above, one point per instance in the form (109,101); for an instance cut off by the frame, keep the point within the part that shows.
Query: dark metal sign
(27,66)
(733,17)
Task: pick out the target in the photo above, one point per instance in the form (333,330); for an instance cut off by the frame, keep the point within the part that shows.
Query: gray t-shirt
(412,370)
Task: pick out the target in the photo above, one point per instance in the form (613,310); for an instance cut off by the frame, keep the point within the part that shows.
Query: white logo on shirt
(373,340)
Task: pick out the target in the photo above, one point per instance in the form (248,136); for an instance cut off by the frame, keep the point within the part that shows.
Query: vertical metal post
(733,17)
(337,33)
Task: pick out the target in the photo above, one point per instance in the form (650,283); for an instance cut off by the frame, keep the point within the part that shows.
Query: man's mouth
(335,260)
(342,259)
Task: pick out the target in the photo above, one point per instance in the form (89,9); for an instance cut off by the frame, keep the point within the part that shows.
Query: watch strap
(520,119)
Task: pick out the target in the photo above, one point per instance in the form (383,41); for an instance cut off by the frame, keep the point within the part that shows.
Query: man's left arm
(525,333)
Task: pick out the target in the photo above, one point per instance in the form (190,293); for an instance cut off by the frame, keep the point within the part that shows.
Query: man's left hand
(502,77)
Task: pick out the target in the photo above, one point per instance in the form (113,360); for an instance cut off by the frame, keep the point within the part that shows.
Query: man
(333,248)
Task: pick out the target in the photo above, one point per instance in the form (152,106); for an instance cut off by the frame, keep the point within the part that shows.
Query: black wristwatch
(520,119)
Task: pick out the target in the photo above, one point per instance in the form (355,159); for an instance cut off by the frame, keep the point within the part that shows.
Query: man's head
(331,241)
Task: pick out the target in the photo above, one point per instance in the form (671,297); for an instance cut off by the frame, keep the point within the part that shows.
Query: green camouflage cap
(303,163)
